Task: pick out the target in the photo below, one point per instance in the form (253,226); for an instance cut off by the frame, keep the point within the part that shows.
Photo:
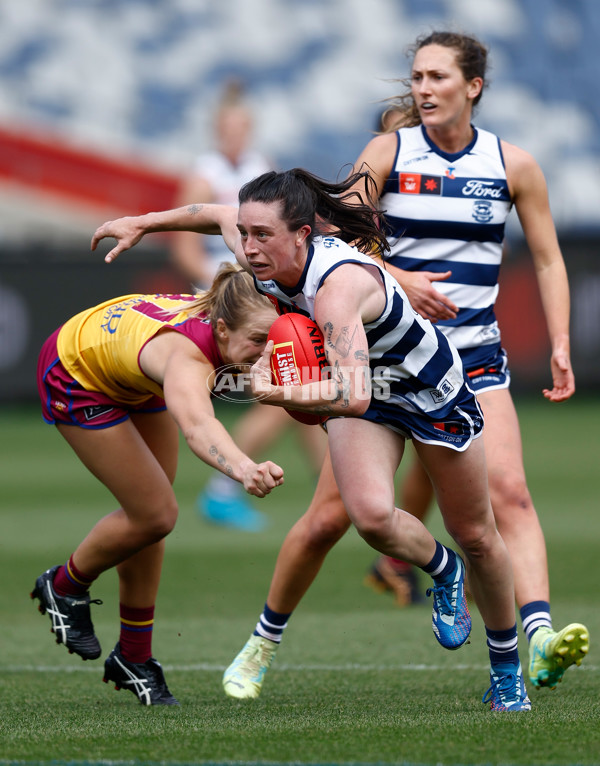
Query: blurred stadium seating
(135,80)
(105,103)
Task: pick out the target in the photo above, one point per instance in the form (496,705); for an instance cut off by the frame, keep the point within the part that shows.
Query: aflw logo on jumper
(417,183)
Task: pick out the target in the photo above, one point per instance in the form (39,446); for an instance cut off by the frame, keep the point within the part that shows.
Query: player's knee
(161,524)
(325,521)
(372,523)
(325,529)
(477,541)
(509,494)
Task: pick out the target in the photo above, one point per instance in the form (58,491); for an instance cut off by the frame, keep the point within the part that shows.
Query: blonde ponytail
(232,297)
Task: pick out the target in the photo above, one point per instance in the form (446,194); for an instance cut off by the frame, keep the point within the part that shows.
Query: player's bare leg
(460,481)
(365,457)
(314,442)
(362,449)
(298,563)
(388,574)
(308,542)
(551,652)
(121,459)
(136,460)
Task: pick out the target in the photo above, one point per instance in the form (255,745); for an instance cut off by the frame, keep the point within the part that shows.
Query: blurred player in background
(446,188)
(216,177)
(106,379)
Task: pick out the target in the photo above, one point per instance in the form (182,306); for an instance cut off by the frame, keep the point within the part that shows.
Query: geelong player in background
(447,188)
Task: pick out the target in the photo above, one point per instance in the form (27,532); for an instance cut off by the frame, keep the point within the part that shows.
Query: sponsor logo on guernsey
(417,183)
(450,173)
(476,187)
(113,314)
(482,211)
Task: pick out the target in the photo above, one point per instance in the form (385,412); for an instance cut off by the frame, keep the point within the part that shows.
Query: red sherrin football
(298,356)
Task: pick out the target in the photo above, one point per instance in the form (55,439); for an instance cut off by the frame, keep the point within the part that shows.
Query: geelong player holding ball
(369,325)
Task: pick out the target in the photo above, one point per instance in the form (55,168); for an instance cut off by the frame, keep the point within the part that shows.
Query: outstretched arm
(204,219)
(189,251)
(174,361)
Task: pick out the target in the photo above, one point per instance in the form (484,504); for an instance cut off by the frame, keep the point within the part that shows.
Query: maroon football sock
(70,581)
(136,633)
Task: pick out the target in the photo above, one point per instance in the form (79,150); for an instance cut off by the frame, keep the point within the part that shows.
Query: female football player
(118,380)
(446,188)
(394,377)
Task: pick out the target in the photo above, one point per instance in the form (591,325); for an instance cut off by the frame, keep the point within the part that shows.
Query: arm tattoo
(342,386)
(344,341)
(214,452)
(194,209)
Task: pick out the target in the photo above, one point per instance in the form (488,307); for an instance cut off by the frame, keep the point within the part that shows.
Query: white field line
(205,667)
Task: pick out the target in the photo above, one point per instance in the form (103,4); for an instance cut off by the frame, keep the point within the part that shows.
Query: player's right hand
(260,478)
(127,231)
(424,298)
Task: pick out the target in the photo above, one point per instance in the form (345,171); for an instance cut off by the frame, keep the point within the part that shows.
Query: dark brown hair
(327,207)
(471,57)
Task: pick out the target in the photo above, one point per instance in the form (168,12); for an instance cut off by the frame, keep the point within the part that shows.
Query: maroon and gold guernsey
(101,346)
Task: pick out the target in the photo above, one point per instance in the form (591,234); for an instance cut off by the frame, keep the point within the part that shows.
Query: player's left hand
(562,378)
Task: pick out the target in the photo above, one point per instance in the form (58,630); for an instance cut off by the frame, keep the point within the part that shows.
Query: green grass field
(357,680)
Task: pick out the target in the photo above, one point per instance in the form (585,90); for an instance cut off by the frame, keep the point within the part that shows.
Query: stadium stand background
(105,103)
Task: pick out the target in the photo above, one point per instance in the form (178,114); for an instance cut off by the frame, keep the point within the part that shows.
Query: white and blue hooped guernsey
(447,212)
(415,366)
